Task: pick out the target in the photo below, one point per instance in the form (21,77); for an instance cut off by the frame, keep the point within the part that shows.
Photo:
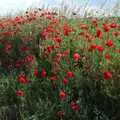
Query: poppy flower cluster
(54,52)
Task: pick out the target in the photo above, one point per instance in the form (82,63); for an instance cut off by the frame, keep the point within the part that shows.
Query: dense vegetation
(55,68)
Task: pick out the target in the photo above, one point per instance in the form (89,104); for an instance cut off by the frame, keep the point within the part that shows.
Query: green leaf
(1,46)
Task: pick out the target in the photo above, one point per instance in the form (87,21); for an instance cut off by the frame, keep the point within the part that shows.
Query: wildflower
(18,63)
(36,73)
(100,48)
(87,36)
(70,74)
(43,34)
(23,49)
(66,33)
(84,26)
(8,33)
(109,43)
(65,81)
(67,29)
(113,25)
(74,106)
(49,17)
(98,33)
(57,39)
(116,34)
(82,33)
(107,56)
(65,53)
(8,46)
(90,39)
(93,47)
(28,59)
(53,78)
(60,114)
(22,79)
(19,93)
(50,48)
(107,75)
(76,57)
(43,73)
(62,95)
(106,27)
(94,22)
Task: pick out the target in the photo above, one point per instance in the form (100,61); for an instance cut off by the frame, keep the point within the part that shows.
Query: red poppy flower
(74,106)
(53,78)
(57,39)
(70,74)
(24,48)
(100,48)
(65,53)
(43,34)
(76,57)
(43,73)
(107,75)
(8,47)
(28,59)
(50,48)
(22,79)
(84,26)
(98,33)
(107,56)
(93,47)
(65,81)
(94,22)
(82,33)
(106,27)
(66,33)
(36,73)
(60,114)
(18,63)
(62,95)
(109,43)
(88,37)
(49,29)
(116,34)
(19,93)
(49,17)
(8,33)
(113,25)
(67,29)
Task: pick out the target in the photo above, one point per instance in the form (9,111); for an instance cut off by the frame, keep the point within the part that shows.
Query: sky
(13,6)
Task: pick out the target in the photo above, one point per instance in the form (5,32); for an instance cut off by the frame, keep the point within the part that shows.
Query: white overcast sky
(8,6)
